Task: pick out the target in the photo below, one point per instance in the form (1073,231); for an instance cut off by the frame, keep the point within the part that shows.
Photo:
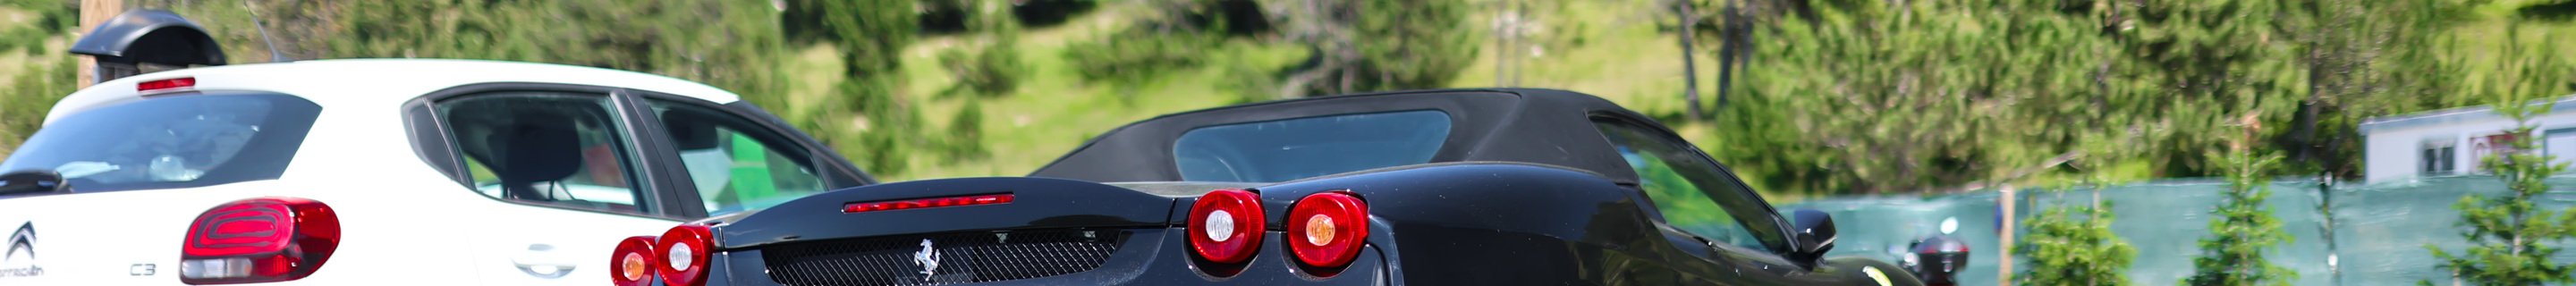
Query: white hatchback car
(374,172)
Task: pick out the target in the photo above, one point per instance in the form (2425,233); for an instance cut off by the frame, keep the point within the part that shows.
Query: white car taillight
(259,240)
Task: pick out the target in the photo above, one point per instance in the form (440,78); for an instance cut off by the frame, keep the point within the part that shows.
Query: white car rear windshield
(1286,150)
(170,141)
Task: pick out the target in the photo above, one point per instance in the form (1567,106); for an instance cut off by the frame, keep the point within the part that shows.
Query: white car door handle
(543,262)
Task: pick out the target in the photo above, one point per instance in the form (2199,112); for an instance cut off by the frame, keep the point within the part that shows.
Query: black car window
(1692,192)
(545,148)
(171,141)
(737,165)
(1286,150)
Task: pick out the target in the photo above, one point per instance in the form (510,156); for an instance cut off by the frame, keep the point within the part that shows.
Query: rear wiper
(32,181)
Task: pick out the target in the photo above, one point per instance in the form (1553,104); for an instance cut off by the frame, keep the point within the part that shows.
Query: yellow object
(1319,229)
(1875,275)
(634,266)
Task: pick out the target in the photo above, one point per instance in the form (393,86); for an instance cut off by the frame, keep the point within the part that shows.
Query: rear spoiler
(125,43)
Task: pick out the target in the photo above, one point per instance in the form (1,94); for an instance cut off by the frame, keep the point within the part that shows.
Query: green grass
(2480,40)
(1624,59)
(11,63)
(1614,49)
(1053,111)
(1627,61)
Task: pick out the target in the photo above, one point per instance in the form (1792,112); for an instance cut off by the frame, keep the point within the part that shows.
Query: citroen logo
(928,258)
(18,259)
(22,245)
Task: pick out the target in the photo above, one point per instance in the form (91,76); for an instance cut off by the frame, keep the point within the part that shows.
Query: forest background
(1802,97)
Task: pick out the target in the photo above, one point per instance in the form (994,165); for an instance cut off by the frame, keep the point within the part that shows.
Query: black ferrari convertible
(1439,187)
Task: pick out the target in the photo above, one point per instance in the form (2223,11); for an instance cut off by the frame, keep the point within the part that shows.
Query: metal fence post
(2004,276)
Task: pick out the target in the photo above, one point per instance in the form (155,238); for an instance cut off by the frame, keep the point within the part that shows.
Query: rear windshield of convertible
(1291,149)
(170,141)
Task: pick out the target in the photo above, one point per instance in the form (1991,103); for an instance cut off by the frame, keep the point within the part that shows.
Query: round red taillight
(632,264)
(257,240)
(1325,229)
(1225,225)
(684,255)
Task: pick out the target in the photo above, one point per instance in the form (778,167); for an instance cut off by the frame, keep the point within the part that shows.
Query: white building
(2450,141)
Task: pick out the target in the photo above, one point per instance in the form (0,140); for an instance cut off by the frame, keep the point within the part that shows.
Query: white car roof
(382,83)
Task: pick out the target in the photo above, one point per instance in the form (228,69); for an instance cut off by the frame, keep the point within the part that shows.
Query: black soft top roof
(1543,126)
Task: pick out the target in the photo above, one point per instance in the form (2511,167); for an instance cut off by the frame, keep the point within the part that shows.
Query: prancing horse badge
(928,258)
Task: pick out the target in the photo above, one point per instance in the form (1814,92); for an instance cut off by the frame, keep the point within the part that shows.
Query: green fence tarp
(2375,235)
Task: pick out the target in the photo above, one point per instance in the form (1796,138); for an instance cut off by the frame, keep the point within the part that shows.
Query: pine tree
(995,69)
(2201,54)
(2508,231)
(869,121)
(2243,228)
(1410,44)
(2072,244)
(1161,44)
(1873,96)
(1377,45)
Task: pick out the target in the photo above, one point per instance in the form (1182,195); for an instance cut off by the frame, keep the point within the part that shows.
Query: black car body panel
(1148,258)
(1470,212)
(1039,203)
(1526,191)
(1529,126)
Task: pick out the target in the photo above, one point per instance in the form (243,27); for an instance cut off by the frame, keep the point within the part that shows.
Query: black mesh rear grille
(962,258)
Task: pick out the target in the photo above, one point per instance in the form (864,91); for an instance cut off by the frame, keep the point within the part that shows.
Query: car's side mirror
(1811,235)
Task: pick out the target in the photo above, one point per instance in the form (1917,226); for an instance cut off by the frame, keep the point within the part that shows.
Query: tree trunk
(1734,36)
(2317,84)
(1690,64)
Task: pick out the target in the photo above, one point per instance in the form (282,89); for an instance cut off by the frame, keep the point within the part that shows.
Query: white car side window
(554,149)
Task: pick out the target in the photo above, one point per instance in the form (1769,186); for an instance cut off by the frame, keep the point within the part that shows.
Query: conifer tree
(2072,243)
(2508,233)
(868,120)
(2242,228)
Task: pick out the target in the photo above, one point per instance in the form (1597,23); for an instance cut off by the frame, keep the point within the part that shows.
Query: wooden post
(93,12)
(2004,276)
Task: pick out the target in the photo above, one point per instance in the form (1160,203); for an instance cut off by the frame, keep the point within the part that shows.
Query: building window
(2495,144)
(2559,142)
(2438,158)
